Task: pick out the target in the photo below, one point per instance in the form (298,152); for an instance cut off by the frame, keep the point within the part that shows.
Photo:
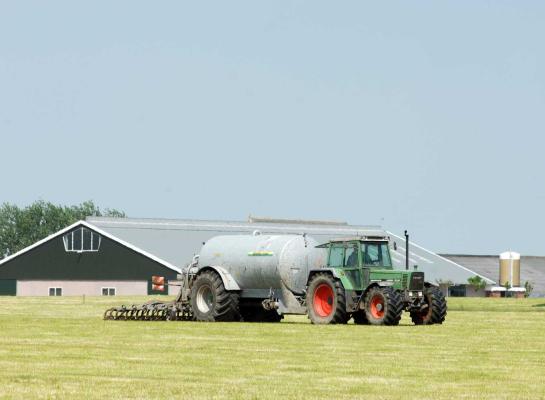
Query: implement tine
(150,311)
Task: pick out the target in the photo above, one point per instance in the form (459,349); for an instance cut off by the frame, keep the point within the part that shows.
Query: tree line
(21,227)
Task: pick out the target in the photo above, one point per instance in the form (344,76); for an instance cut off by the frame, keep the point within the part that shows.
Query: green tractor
(359,282)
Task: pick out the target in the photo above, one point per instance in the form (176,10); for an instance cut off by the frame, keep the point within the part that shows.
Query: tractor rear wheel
(436,311)
(210,301)
(383,306)
(326,301)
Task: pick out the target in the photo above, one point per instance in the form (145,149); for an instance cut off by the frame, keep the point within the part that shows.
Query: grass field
(61,348)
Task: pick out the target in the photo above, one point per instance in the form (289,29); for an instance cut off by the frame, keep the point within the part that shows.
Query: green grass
(61,348)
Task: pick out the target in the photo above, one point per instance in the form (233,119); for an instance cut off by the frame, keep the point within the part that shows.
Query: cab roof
(356,239)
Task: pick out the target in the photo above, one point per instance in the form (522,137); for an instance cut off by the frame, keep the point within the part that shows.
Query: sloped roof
(101,232)
(178,240)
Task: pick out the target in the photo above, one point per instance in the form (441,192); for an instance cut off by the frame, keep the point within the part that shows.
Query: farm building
(118,256)
(532,270)
(81,260)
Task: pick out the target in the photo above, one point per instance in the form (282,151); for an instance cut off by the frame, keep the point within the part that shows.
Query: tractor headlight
(419,294)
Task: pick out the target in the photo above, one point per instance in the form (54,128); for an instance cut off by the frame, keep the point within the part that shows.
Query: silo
(510,268)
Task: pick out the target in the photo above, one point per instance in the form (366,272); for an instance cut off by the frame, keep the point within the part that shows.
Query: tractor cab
(359,252)
(363,261)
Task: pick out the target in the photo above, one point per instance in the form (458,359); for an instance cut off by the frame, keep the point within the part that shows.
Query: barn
(82,259)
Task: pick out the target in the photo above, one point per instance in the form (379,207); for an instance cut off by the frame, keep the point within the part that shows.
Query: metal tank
(510,268)
(264,261)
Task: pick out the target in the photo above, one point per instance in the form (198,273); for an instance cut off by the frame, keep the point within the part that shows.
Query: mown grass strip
(61,348)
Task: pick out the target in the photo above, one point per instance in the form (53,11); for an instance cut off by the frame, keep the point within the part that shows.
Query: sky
(426,116)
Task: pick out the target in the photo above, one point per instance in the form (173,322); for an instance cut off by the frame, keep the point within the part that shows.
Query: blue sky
(426,116)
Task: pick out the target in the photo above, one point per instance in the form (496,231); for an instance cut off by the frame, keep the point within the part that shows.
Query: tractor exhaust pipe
(406,251)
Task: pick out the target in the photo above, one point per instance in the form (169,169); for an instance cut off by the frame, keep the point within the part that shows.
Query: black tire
(383,306)
(253,311)
(436,310)
(360,318)
(326,301)
(210,301)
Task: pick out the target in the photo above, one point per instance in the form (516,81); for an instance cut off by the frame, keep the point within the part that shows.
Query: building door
(8,287)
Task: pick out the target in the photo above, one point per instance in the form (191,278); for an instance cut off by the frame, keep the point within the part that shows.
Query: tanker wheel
(210,301)
(383,306)
(436,311)
(360,318)
(326,302)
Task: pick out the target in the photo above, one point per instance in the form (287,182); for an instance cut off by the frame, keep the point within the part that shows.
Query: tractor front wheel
(436,309)
(383,306)
(326,301)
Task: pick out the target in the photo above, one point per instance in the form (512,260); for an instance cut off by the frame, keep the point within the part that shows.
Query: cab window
(376,254)
(336,256)
(351,256)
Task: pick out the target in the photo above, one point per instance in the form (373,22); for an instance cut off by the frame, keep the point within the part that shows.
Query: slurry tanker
(261,278)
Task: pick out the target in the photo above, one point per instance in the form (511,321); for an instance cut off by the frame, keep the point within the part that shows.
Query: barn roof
(178,240)
(98,230)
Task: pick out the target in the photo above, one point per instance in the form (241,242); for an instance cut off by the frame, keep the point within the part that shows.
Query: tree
(477,282)
(529,288)
(21,227)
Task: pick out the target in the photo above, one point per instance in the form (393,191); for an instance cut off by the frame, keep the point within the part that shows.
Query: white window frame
(55,288)
(68,239)
(108,288)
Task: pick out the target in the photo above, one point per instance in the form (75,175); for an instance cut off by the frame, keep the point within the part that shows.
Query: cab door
(352,264)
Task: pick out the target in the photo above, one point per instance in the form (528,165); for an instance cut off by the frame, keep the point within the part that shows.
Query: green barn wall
(113,261)
(8,287)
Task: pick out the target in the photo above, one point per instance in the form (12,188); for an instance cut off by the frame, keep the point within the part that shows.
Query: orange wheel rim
(377,306)
(323,300)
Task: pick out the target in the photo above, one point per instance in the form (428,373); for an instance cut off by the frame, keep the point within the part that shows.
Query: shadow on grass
(348,324)
(539,305)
